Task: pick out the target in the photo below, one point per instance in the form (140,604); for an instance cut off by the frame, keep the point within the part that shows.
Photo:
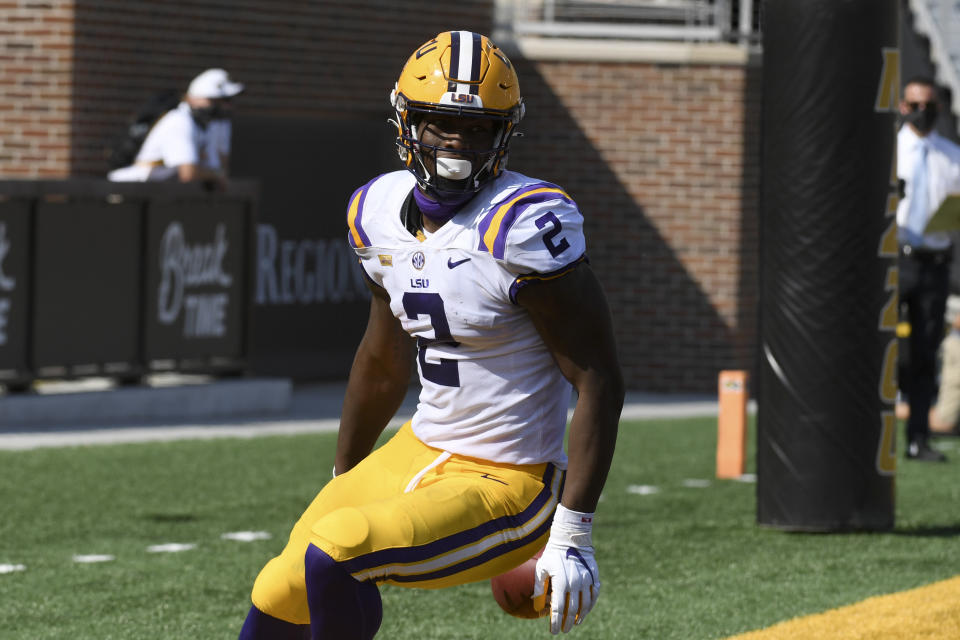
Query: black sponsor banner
(310,303)
(195,281)
(14,287)
(825,458)
(86,304)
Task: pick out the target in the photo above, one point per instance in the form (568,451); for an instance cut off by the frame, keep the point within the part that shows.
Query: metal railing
(676,20)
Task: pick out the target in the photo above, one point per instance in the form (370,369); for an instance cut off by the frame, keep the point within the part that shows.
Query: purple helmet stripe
(475,64)
(457,540)
(454,55)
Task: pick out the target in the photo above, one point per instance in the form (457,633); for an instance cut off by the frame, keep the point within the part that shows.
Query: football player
(486,270)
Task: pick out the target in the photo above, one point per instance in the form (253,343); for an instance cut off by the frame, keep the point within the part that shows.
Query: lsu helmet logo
(463,98)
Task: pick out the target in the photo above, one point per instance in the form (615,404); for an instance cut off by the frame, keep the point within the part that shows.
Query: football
(513,590)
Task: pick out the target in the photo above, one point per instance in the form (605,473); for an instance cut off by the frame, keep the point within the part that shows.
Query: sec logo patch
(418,260)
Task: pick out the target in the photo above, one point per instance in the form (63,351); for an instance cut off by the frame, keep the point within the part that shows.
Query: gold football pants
(415,516)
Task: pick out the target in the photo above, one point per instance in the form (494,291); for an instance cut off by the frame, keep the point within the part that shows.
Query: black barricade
(310,303)
(14,288)
(195,281)
(120,279)
(828,272)
(86,302)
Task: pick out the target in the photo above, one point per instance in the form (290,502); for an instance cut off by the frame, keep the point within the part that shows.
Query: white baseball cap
(213,84)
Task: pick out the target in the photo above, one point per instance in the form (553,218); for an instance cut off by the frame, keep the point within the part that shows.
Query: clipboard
(947,217)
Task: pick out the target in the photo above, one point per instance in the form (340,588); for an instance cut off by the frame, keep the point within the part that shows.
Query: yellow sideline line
(928,613)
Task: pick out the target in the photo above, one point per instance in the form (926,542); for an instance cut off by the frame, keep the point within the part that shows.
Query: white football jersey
(491,389)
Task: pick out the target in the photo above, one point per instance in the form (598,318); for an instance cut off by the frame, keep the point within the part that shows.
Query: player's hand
(568,570)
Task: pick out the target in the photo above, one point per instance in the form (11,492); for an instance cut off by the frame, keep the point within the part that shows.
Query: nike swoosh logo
(488,477)
(573,553)
(452,265)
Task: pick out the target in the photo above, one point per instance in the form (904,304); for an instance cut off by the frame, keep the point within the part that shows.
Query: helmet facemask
(450,177)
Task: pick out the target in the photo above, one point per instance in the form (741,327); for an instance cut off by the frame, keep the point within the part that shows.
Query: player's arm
(378,382)
(573,318)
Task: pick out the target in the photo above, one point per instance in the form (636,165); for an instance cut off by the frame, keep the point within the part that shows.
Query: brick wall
(36,60)
(663,160)
(661,157)
(325,60)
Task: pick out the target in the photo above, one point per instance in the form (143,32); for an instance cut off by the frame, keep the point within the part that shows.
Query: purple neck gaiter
(439,212)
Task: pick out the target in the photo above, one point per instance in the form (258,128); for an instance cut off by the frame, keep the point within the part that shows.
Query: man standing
(486,270)
(929,164)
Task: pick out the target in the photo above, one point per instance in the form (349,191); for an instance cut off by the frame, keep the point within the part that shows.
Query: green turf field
(685,562)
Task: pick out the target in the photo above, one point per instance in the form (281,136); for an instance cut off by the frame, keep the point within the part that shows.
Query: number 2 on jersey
(446,372)
(550,218)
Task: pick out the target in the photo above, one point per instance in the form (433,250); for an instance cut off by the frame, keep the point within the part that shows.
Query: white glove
(567,568)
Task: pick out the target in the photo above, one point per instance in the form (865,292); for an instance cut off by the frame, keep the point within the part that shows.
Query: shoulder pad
(381,196)
(357,236)
(536,229)
(495,225)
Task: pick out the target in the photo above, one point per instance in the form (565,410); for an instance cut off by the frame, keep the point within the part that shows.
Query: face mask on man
(204,115)
(922,119)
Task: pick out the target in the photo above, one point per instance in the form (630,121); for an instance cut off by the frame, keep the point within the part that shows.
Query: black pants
(924,284)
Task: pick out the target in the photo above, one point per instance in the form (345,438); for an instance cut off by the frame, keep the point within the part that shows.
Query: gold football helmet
(457,73)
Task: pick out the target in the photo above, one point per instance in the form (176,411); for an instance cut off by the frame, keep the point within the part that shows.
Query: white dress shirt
(943,178)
